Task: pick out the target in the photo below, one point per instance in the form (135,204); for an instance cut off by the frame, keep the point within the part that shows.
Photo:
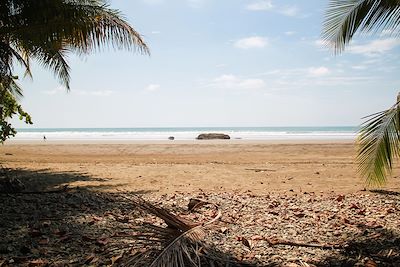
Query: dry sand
(363,227)
(167,167)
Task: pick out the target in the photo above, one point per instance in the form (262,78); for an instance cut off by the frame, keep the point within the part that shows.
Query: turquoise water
(188,133)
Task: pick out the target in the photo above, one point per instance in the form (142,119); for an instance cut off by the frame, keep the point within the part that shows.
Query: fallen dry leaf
(371,263)
(44,241)
(35,233)
(195,204)
(102,241)
(37,262)
(340,198)
(247,243)
(115,259)
(223,230)
(89,259)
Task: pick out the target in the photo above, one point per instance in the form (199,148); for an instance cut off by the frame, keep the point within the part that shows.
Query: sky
(221,63)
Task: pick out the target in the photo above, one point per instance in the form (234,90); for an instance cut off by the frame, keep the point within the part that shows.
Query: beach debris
(260,170)
(196,203)
(248,243)
(340,198)
(304,229)
(182,241)
(210,136)
(370,263)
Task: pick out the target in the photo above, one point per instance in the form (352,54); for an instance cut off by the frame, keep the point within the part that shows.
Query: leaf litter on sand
(306,230)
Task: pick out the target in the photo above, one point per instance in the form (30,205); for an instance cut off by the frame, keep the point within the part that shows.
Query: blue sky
(221,63)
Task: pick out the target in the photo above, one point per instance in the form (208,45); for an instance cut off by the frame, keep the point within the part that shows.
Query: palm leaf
(54,59)
(8,54)
(345,17)
(47,29)
(182,242)
(379,143)
(83,24)
(15,89)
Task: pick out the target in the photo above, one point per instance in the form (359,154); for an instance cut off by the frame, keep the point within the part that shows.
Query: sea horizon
(190,133)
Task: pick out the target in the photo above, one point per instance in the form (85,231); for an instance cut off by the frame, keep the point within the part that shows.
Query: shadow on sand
(374,245)
(386,192)
(87,227)
(77,227)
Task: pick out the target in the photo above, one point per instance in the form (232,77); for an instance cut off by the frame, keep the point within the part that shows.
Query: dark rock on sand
(209,136)
(171,138)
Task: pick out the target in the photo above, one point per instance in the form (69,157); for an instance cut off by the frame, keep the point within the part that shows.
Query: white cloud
(290,33)
(55,91)
(320,71)
(299,78)
(375,47)
(320,43)
(152,87)
(229,81)
(260,5)
(267,5)
(93,93)
(251,42)
(289,11)
(78,92)
(359,67)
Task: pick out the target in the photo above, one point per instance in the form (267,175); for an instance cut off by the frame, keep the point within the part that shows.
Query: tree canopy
(47,31)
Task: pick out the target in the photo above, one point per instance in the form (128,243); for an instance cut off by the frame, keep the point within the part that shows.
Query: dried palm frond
(182,242)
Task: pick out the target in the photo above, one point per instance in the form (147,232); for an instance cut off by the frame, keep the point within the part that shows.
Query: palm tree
(379,136)
(48,30)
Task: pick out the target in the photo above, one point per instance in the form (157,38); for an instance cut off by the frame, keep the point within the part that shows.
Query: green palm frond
(8,54)
(54,59)
(15,89)
(345,17)
(379,144)
(47,29)
(85,25)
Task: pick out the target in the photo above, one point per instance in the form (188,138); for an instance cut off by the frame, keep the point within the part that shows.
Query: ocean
(188,133)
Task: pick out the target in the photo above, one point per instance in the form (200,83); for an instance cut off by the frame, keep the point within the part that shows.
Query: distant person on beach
(44,138)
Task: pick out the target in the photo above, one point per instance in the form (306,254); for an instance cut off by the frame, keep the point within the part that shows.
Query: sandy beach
(281,204)
(211,166)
